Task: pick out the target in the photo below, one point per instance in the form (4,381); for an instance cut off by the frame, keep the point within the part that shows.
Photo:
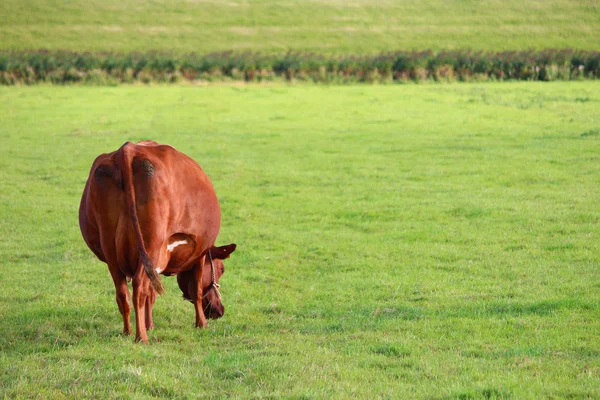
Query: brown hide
(146,210)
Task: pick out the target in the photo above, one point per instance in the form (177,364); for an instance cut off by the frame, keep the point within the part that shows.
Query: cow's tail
(127,171)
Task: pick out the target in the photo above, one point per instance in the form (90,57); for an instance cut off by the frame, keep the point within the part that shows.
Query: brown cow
(146,210)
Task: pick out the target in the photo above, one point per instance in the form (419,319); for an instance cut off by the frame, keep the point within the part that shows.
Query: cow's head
(211,302)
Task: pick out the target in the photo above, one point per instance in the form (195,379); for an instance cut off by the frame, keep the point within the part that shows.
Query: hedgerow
(59,67)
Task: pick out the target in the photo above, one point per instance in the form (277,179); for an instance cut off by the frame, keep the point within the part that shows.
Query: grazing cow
(146,210)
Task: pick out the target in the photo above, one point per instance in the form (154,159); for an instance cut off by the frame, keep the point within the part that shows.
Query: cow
(146,210)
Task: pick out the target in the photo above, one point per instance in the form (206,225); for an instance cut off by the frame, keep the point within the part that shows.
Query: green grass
(361,26)
(414,241)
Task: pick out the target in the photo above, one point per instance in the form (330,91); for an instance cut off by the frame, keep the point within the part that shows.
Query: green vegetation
(324,26)
(109,68)
(415,241)
(395,241)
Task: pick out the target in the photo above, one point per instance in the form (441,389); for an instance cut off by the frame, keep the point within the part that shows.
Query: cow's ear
(223,252)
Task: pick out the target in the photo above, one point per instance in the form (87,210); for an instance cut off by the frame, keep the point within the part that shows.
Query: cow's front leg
(141,288)
(200,317)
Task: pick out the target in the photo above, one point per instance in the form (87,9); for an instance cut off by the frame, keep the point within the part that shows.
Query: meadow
(407,241)
(322,26)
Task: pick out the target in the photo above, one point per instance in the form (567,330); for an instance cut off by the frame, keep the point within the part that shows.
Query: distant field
(415,241)
(330,26)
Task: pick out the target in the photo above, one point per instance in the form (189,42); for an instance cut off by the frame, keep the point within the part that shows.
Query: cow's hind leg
(120,281)
(162,255)
(141,289)
(149,304)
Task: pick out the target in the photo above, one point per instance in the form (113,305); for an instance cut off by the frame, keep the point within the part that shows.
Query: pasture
(323,26)
(405,241)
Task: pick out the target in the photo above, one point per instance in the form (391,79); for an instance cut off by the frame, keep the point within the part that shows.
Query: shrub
(61,67)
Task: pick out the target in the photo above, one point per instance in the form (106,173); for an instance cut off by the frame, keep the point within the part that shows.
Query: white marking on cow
(175,244)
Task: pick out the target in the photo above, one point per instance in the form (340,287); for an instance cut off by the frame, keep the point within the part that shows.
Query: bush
(63,67)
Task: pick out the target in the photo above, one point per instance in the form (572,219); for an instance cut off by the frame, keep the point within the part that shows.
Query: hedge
(60,67)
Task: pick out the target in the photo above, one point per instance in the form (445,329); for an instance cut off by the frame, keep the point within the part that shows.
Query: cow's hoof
(141,340)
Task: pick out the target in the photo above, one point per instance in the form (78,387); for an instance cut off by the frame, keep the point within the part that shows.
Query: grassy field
(414,241)
(359,26)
